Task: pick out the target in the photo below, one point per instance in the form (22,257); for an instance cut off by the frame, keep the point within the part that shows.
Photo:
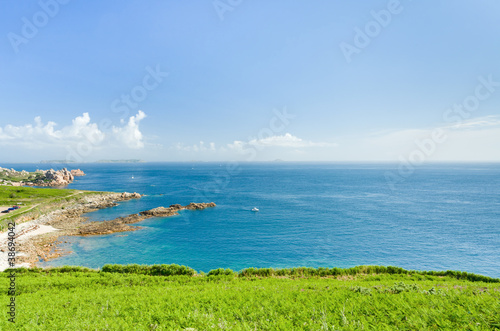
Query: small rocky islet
(120,224)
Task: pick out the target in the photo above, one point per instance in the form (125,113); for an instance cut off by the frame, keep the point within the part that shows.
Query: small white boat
(255,209)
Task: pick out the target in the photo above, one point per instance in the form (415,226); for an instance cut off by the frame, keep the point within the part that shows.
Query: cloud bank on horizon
(471,139)
(45,137)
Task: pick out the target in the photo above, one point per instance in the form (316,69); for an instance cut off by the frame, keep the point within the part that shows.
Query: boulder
(77,173)
(127,195)
(173,209)
(199,206)
(159,212)
(61,177)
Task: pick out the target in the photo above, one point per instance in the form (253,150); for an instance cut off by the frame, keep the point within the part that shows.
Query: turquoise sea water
(443,216)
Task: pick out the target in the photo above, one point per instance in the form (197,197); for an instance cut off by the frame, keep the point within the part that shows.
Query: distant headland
(121,161)
(99,161)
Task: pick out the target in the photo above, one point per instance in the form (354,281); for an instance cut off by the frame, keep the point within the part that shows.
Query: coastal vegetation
(172,297)
(10,175)
(33,201)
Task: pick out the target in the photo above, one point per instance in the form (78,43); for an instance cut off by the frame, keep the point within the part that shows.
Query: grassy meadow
(171,297)
(19,176)
(35,202)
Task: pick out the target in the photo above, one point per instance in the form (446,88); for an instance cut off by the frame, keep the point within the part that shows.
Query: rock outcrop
(50,177)
(173,209)
(77,173)
(159,212)
(128,196)
(120,224)
(199,206)
(61,177)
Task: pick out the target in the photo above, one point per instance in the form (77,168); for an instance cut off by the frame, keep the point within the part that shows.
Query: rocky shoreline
(49,177)
(39,239)
(120,224)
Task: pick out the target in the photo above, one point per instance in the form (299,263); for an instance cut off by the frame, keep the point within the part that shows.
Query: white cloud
(469,140)
(200,147)
(286,140)
(29,132)
(130,135)
(237,145)
(476,123)
(81,130)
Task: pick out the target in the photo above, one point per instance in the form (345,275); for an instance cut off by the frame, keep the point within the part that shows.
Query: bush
(221,272)
(178,270)
(402,287)
(362,290)
(113,268)
(68,269)
(154,270)
(171,270)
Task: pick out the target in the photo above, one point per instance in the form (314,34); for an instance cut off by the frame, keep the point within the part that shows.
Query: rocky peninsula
(49,177)
(38,239)
(120,224)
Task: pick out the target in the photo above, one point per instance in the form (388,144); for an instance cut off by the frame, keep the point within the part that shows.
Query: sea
(431,217)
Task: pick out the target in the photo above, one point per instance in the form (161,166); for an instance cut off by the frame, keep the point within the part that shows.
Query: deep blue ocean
(442,216)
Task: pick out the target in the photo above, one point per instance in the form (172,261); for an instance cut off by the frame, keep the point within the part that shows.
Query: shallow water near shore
(443,216)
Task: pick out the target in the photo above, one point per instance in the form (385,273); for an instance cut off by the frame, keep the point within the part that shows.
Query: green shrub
(362,290)
(69,269)
(370,272)
(221,272)
(154,270)
(402,287)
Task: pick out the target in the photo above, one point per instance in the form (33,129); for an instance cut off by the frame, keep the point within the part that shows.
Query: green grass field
(144,298)
(34,201)
(19,176)
(28,195)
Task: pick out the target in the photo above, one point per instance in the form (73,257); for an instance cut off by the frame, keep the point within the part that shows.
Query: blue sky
(250,80)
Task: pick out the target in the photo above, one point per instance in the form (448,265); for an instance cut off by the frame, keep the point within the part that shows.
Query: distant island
(121,161)
(99,161)
(57,161)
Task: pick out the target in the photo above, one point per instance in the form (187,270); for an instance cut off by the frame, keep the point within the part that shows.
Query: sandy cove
(38,239)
